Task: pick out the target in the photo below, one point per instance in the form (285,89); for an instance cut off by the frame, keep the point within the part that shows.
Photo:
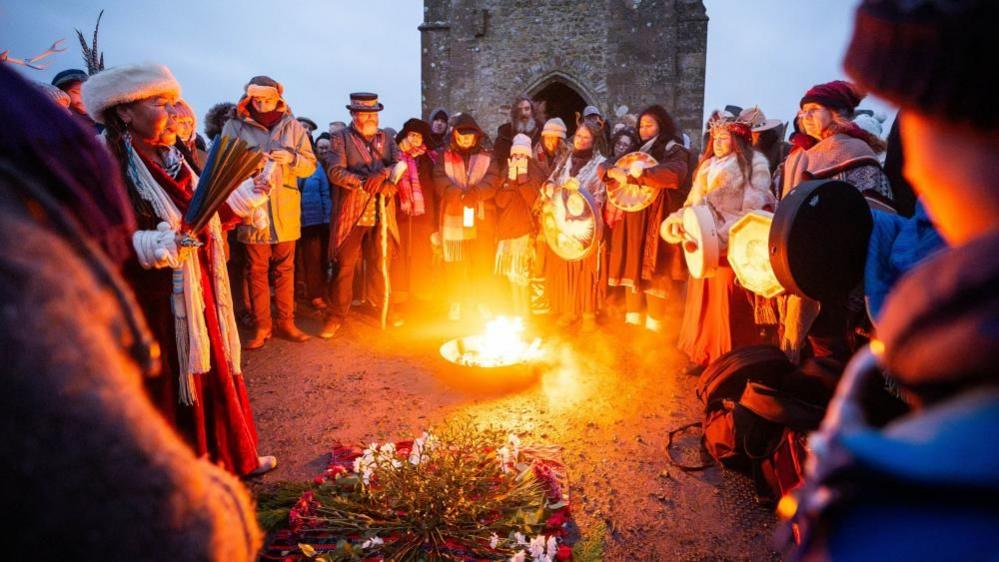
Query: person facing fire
(731,180)
(183,291)
(71,81)
(360,164)
(264,120)
(466,178)
(523,120)
(927,479)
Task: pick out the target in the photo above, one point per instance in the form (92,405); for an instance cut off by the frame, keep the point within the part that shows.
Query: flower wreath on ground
(456,493)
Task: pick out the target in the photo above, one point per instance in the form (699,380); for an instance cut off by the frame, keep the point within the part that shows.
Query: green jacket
(285,204)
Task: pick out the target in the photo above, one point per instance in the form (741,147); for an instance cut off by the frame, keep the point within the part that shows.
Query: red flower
(564,552)
(556,521)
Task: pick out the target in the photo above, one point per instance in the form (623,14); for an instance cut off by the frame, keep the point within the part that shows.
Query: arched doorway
(561,100)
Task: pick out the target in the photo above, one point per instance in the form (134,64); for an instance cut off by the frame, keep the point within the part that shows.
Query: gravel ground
(608,399)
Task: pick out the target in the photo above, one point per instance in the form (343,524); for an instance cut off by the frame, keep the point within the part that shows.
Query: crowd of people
(440,216)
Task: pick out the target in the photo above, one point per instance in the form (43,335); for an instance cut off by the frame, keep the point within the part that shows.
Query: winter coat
(504,139)
(317,205)
(719,183)
(671,177)
(924,487)
(897,245)
(516,199)
(87,459)
(285,205)
(348,164)
(840,157)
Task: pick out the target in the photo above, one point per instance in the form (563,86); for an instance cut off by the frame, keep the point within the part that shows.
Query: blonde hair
(841,123)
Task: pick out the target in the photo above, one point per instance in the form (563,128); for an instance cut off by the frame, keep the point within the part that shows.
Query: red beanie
(836,95)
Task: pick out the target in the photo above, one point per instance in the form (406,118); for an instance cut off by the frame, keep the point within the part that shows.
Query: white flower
(520,538)
(552,548)
(521,556)
(504,458)
(372,542)
(537,547)
(493,540)
(514,442)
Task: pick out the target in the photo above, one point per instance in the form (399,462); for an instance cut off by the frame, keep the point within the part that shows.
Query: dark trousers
(312,252)
(348,258)
(260,260)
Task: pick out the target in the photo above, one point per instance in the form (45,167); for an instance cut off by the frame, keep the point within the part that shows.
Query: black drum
(819,238)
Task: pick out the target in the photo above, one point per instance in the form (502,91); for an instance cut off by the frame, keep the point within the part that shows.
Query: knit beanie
(928,56)
(68,77)
(55,94)
(837,95)
(521,145)
(554,126)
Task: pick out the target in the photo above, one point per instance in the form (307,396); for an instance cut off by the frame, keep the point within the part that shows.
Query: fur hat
(264,82)
(414,126)
(124,84)
(555,126)
(521,145)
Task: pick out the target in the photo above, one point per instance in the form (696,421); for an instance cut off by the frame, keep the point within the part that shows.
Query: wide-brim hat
(414,126)
(125,84)
(364,101)
(758,120)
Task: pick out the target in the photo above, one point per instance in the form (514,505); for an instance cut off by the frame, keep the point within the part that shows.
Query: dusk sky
(765,51)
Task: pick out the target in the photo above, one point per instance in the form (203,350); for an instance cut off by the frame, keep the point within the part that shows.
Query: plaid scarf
(411,199)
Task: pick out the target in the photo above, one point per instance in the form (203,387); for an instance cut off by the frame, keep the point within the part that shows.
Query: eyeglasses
(810,111)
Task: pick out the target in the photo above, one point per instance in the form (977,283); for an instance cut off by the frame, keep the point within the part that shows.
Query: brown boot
(331,327)
(289,331)
(258,340)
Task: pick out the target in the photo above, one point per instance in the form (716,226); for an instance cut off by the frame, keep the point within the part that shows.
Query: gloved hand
(373,183)
(157,249)
(260,218)
(672,228)
(247,197)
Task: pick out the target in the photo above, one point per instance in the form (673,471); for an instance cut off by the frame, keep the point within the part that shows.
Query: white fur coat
(721,185)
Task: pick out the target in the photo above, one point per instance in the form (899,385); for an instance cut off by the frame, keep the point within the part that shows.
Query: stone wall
(619,55)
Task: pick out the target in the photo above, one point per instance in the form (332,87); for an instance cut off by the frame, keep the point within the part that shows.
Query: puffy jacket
(285,202)
(316,202)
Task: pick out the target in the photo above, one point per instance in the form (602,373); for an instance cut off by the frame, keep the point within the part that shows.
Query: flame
(502,343)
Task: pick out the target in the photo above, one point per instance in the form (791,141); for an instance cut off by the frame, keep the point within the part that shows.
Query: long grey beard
(525,127)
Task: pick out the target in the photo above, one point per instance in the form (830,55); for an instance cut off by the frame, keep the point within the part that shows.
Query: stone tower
(619,55)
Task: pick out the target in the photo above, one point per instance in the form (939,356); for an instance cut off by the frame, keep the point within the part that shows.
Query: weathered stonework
(619,55)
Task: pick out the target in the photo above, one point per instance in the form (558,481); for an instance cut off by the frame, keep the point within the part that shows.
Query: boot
(331,327)
(267,464)
(289,331)
(260,337)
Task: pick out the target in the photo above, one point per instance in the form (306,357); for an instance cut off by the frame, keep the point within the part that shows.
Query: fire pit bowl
(497,362)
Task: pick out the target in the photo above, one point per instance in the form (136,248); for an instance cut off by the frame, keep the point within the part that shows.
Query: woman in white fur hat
(185,294)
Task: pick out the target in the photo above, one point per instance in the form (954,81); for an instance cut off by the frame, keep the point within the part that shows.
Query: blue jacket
(317,205)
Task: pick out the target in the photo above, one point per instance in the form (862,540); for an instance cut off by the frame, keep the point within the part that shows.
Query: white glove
(398,170)
(157,249)
(246,198)
(260,219)
(672,229)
